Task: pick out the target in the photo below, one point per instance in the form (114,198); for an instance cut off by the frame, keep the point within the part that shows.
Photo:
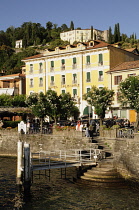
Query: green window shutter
(63,91)
(74,75)
(88,89)
(63,61)
(100,58)
(88,59)
(74,60)
(52,78)
(52,63)
(88,75)
(74,91)
(100,73)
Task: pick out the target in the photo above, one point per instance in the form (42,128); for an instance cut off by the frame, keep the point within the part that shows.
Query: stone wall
(59,140)
(126,155)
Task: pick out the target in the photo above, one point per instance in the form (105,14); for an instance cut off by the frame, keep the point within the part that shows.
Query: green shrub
(12,124)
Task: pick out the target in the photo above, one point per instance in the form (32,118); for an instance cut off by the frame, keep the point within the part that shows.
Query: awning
(8,91)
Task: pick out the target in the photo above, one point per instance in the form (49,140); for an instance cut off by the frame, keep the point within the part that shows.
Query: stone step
(98,176)
(101,173)
(106,180)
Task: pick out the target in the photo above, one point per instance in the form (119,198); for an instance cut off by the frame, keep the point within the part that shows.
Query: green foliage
(100,98)
(19,101)
(67,106)
(12,124)
(52,105)
(16,101)
(5,100)
(128,92)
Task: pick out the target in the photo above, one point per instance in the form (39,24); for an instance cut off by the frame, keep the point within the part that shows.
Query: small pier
(28,161)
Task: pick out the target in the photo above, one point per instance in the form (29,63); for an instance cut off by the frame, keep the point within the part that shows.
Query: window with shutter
(63,91)
(41,82)
(74,93)
(52,80)
(74,60)
(52,64)
(88,77)
(31,68)
(100,59)
(117,79)
(74,78)
(88,89)
(88,59)
(100,77)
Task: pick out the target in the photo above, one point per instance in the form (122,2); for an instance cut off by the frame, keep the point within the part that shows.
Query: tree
(128,94)
(101,99)
(67,106)
(92,33)
(19,101)
(110,37)
(39,105)
(71,25)
(5,100)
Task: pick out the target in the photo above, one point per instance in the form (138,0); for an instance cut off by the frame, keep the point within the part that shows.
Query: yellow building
(74,69)
(116,75)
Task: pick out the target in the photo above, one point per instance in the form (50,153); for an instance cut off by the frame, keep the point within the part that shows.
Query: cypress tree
(118,32)
(71,25)
(110,36)
(92,32)
(115,34)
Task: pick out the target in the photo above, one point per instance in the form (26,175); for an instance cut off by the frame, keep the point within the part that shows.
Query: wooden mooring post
(19,176)
(27,167)
(23,177)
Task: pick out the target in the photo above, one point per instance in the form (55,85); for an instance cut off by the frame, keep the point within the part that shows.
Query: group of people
(89,128)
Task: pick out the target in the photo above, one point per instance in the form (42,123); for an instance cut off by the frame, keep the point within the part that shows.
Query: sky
(101,14)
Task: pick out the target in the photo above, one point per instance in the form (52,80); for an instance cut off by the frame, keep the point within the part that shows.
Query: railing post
(19,163)
(27,167)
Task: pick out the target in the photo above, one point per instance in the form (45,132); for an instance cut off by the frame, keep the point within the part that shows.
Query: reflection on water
(58,193)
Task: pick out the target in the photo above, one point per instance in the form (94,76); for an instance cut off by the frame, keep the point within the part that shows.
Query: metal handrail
(58,158)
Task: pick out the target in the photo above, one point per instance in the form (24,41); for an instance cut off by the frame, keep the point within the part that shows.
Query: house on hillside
(83,35)
(74,69)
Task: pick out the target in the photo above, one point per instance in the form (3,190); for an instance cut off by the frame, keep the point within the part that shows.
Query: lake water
(59,194)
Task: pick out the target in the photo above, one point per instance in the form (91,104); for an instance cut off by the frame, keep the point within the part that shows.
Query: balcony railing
(40,70)
(51,69)
(63,67)
(87,65)
(88,80)
(74,65)
(74,82)
(100,79)
(52,83)
(100,63)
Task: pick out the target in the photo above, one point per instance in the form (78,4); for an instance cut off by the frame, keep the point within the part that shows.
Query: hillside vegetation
(36,37)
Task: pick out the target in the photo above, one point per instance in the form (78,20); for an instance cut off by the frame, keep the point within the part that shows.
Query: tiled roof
(130,50)
(34,56)
(126,66)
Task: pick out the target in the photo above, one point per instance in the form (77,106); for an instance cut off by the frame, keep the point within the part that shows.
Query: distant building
(18,44)
(83,35)
(14,84)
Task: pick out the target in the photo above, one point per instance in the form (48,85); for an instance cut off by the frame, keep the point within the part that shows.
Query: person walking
(87,130)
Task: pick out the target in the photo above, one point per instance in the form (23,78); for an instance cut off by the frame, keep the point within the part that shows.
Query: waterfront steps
(104,172)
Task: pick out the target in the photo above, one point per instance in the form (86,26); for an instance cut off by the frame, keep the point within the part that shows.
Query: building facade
(74,69)
(84,35)
(14,84)
(116,75)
